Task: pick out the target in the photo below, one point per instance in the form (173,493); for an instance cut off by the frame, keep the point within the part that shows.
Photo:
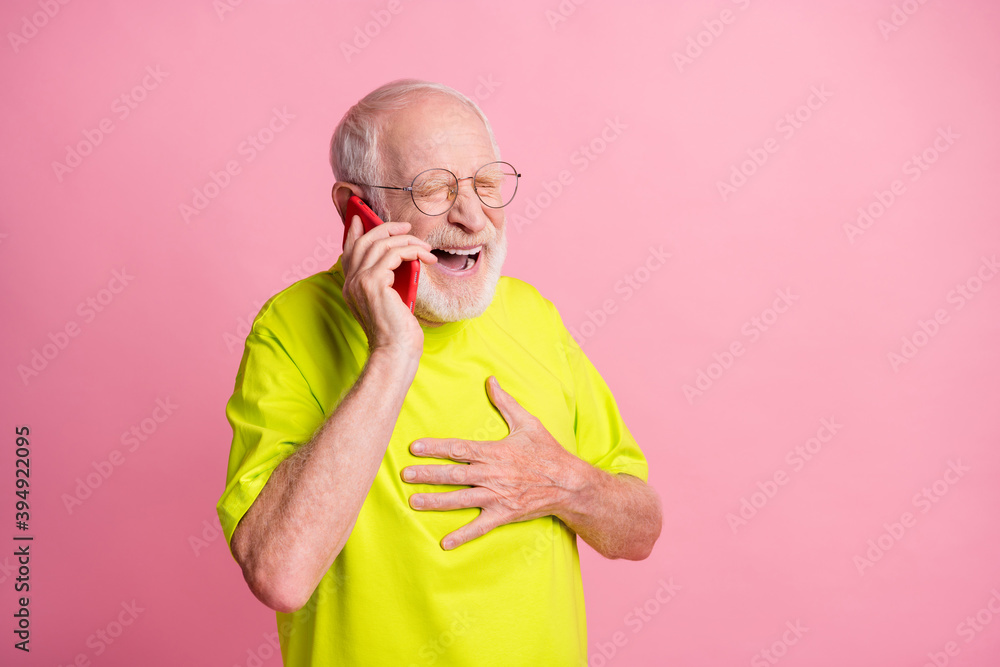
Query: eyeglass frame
(458,182)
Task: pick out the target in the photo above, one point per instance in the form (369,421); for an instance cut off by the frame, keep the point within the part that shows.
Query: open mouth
(457,259)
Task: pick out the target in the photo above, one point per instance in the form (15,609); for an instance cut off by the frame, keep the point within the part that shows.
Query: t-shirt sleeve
(272,412)
(603,439)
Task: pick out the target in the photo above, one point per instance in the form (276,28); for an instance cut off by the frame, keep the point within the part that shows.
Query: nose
(467,210)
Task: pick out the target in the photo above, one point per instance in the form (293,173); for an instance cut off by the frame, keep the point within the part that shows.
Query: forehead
(435,131)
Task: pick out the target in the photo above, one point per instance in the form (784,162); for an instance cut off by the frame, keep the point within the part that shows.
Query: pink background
(677,129)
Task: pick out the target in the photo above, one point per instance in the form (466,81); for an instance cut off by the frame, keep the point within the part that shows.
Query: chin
(446,298)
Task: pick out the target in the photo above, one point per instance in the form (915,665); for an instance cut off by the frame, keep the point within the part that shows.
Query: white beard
(451,303)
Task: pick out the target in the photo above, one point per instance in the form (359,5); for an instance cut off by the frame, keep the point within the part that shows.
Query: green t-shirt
(393,596)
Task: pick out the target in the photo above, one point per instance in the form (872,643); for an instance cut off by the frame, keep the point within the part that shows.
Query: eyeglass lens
(434,191)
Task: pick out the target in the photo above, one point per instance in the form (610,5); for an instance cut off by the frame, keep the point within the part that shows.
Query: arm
(529,474)
(302,518)
(618,515)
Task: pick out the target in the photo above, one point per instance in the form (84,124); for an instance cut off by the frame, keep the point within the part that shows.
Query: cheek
(498,218)
(421,226)
(405,211)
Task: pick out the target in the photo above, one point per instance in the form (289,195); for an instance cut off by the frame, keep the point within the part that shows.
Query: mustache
(450,241)
(491,239)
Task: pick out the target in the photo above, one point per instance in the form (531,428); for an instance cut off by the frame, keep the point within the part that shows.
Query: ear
(341,192)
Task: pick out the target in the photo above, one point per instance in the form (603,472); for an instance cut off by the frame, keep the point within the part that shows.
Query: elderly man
(407,488)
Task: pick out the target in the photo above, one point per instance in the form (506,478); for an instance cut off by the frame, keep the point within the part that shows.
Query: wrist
(395,362)
(582,485)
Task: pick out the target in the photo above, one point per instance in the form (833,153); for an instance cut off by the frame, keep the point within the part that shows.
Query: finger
(458,474)
(375,245)
(450,500)
(482,524)
(509,408)
(393,251)
(361,241)
(456,449)
(354,228)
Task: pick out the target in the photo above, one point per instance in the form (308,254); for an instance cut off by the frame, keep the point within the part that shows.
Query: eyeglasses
(435,191)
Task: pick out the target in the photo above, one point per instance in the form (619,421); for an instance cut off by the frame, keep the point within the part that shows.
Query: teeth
(473,251)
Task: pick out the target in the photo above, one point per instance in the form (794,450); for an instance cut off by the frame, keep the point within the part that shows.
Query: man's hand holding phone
(369,260)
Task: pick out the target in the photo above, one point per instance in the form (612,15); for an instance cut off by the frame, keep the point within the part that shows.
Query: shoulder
(520,304)
(523,292)
(303,304)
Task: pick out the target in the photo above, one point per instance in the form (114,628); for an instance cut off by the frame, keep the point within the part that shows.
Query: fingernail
(418,447)
(417,501)
(409,474)
(448,544)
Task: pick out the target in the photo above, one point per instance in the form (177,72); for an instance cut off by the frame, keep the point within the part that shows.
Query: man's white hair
(355,154)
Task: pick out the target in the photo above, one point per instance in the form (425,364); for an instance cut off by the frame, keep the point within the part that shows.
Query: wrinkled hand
(526,475)
(369,260)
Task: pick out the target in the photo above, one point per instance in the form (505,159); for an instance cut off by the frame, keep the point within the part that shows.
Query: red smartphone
(407,273)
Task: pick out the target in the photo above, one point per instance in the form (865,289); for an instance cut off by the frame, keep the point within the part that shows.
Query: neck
(427,323)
